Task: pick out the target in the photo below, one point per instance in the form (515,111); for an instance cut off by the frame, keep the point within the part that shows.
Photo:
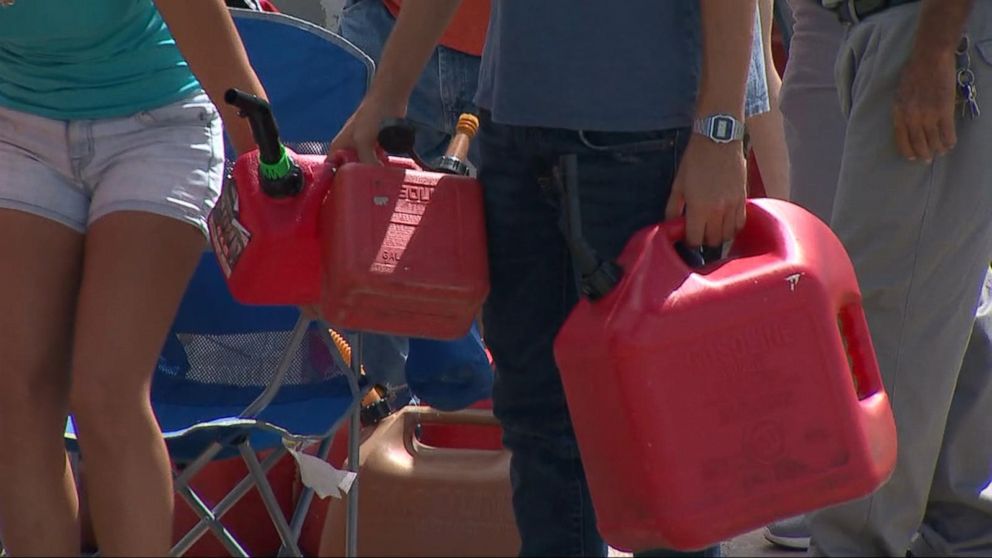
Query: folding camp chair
(236,380)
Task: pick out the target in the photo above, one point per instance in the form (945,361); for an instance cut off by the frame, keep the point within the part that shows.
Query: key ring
(966,77)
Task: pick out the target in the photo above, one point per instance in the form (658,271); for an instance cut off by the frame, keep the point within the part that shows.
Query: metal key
(969,93)
(967,89)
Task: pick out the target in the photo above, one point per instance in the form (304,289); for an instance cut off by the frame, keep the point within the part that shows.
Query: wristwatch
(721,128)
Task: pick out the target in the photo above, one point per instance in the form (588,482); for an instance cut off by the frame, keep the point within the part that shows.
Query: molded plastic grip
(344,156)
(864,366)
(412,416)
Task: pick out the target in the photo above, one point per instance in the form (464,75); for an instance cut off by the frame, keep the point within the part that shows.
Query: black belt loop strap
(853,11)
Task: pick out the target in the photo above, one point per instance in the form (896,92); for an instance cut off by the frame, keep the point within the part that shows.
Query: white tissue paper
(321,476)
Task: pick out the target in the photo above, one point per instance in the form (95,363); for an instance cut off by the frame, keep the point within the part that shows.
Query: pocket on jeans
(196,110)
(984,48)
(629,142)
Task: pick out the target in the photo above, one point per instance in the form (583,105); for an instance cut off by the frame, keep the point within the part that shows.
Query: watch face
(723,128)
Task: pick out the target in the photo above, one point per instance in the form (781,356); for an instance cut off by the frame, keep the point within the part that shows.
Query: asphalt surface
(751,544)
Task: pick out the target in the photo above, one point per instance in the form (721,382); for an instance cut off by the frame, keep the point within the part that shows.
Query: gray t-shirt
(621,65)
(606,65)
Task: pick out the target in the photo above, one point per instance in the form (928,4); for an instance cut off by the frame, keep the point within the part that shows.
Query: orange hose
(344,349)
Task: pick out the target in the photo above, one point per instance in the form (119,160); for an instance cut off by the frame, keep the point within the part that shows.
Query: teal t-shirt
(88,59)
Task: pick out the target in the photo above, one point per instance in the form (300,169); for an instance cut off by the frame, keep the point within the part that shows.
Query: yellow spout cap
(468,124)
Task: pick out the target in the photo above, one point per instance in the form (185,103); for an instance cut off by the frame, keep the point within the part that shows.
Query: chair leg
(305,499)
(354,432)
(269,499)
(208,517)
(211,521)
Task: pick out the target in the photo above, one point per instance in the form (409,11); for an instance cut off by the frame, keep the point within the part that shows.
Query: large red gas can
(709,402)
(404,249)
(268,247)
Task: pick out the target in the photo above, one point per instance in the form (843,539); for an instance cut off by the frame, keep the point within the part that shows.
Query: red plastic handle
(342,157)
(864,365)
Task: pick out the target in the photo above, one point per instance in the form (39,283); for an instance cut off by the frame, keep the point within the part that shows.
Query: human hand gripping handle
(710,190)
(410,44)
(710,185)
(361,131)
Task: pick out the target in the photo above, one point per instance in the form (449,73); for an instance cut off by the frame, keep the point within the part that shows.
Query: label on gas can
(228,236)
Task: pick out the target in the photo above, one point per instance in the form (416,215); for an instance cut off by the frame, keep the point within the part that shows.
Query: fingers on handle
(695,226)
(948,133)
(676,204)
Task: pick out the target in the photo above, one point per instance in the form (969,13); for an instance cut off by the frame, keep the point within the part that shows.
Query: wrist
(719,128)
(391,97)
(929,56)
(708,105)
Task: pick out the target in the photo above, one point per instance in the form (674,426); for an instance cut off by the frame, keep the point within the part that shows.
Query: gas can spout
(597,277)
(280,175)
(453,160)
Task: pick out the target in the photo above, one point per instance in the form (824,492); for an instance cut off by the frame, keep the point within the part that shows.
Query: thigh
(41,259)
(920,240)
(529,279)
(136,269)
(41,216)
(157,177)
(530,295)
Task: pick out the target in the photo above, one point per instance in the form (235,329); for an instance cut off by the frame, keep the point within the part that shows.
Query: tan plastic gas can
(422,500)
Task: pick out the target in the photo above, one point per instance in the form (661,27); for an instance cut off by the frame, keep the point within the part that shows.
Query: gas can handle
(342,157)
(860,350)
(412,416)
(673,234)
(470,417)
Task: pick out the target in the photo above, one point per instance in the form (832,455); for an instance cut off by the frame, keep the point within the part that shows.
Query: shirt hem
(102,114)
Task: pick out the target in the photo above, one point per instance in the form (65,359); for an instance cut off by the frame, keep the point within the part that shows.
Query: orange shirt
(467,31)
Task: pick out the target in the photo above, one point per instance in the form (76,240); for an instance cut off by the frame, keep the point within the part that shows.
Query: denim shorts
(167,161)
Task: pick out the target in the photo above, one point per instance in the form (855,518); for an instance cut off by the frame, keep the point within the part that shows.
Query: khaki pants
(920,237)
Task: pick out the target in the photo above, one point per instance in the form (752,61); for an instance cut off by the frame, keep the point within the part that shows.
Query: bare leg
(135,272)
(41,261)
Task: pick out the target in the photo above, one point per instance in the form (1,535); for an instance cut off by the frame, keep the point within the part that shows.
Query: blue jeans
(532,291)
(444,91)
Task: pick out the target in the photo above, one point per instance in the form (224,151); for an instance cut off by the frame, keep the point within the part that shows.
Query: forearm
(771,153)
(767,129)
(941,23)
(727,27)
(207,38)
(419,26)
(766,11)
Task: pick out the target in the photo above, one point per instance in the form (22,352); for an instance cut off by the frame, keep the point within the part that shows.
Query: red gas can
(264,227)
(404,249)
(268,247)
(709,402)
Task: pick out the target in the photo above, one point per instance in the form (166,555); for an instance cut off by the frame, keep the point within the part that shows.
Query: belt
(853,11)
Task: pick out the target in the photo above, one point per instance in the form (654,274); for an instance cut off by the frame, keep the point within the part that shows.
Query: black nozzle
(263,125)
(596,277)
(280,176)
